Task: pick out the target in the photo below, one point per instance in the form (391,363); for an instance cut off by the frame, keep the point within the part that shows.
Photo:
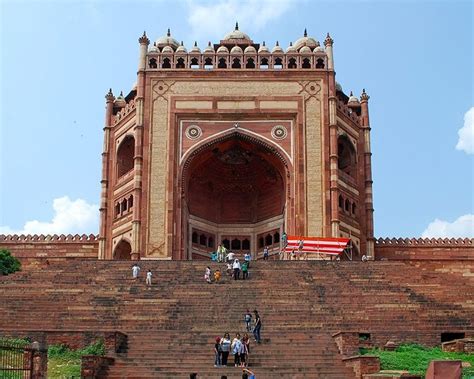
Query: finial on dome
(291,43)
(195,43)
(263,43)
(278,44)
(364,96)
(182,43)
(209,43)
(351,94)
(236,25)
(110,96)
(169,33)
(328,41)
(121,93)
(144,39)
(305,34)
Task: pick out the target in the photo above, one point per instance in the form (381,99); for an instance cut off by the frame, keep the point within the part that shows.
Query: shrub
(8,263)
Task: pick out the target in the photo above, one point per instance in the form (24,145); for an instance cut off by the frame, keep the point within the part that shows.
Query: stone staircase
(171,326)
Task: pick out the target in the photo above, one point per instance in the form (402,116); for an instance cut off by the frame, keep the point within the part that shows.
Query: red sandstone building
(235,144)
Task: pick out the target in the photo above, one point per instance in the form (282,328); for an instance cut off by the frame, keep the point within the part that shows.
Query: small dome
(353,99)
(236,34)
(120,101)
(291,48)
(235,50)
(222,50)
(250,50)
(167,41)
(319,49)
(167,50)
(306,41)
(195,49)
(263,49)
(305,50)
(181,49)
(277,49)
(209,49)
(153,49)
(338,87)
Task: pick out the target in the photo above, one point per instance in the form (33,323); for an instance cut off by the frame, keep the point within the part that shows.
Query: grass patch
(416,358)
(64,363)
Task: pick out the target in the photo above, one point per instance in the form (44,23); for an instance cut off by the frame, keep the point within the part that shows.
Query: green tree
(8,263)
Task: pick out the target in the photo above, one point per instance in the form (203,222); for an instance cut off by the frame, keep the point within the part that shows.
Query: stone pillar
(138,156)
(333,156)
(109,105)
(40,361)
(369,208)
(328,42)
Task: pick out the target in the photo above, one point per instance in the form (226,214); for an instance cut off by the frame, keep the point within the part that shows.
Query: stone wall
(424,248)
(34,249)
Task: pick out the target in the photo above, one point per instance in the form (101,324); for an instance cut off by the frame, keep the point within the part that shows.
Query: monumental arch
(235,144)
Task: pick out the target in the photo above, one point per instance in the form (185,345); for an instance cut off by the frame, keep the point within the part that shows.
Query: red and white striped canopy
(319,245)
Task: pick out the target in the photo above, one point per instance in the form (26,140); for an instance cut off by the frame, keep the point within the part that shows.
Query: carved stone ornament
(193,132)
(279,132)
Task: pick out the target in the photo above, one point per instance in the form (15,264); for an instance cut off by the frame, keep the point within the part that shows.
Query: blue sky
(415,60)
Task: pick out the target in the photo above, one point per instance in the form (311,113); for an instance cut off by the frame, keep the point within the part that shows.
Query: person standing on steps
(225,348)
(244,359)
(218,352)
(265,253)
(148,278)
(247,258)
(236,267)
(217,276)
(245,270)
(236,349)
(248,320)
(207,275)
(257,327)
(135,271)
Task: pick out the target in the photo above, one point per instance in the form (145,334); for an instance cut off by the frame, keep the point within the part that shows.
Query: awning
(318,245)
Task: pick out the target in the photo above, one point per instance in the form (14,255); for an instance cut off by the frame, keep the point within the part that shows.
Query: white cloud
(463,227)
(69,217)
(213,20)
(466,133)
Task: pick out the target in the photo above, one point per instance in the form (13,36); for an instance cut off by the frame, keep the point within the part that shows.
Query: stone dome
(153,49)
(236,34)
(181,49)
(167,50)
(209,49)
(120,101)
(250,50)
(195,49)
(306,41)
(277,49)
(236,50)
(319,49)
(291,48)
(353,99)
(167,41)
(305,50)
(222,50)
(263,49)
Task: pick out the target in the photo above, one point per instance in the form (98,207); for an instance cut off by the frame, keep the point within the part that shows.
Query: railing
(16,359)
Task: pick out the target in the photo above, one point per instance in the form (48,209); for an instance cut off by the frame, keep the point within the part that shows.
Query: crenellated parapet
(458,242)
(48,238)
(128,108)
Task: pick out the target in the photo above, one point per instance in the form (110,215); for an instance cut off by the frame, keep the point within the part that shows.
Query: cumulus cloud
(466,133)
(70,216)
(213,19)
(463,227)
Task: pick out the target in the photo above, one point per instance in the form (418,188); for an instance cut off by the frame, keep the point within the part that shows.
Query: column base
(135,256)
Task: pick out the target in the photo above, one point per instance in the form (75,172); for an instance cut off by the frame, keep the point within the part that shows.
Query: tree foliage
(8,263)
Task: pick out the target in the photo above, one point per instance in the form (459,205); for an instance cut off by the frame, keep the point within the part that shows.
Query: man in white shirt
(135,271)
(148,278)
(236,267)
(231,256)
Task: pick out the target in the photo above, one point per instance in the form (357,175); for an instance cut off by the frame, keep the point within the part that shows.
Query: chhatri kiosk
(234,143)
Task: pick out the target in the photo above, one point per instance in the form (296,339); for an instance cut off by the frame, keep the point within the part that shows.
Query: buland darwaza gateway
(234,143)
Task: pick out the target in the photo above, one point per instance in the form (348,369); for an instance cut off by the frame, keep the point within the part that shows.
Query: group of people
(239,346)
(136,271)
(233,269)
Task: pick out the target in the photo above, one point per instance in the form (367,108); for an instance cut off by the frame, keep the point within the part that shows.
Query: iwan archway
(235,192)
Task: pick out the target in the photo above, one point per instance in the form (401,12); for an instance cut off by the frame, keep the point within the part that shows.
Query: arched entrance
(234,194)
(122,251)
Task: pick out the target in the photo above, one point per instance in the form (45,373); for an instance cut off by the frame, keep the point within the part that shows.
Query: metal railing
(16,359)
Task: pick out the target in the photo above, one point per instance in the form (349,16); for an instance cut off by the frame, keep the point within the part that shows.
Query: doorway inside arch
(235,196)
(122,251)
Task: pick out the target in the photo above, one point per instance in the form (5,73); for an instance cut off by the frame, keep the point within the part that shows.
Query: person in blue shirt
(247,374)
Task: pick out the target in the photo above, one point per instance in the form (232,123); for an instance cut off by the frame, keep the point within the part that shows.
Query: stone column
(369,208)
(40,361)
(333,156)
(109,105)
(138,156)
